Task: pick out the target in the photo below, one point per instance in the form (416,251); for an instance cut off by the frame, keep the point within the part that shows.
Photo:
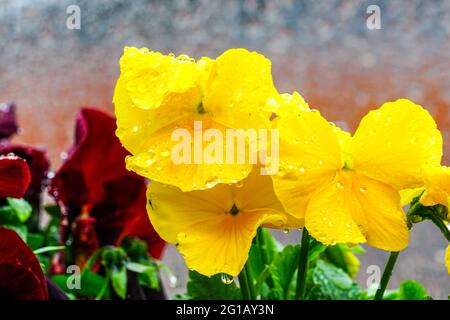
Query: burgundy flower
(36,159)
(104,201)
(8,125)
(14,177)
(21,276)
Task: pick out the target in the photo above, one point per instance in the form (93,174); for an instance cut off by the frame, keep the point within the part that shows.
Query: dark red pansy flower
(36,159)
(14,176)
(21,276)
(104,202)
(8,125)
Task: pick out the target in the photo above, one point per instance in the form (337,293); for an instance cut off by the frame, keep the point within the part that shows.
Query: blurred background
(321,48)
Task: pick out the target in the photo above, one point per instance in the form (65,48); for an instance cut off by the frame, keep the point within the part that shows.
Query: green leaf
(35,240)
(21,208)
(284,267)
(272,248)
(91,283)
(119,280)
(411,290)
(331,283)
(204,288)
(7,216)
(315,249)
(53,210)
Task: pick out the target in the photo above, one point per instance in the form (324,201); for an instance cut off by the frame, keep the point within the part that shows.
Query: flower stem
(386,275)
(302,266)
(246,285)
(441,225)
(264,256)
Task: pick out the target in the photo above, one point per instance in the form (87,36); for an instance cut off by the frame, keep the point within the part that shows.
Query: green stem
(386,275)
(441,225)
(264,256)
(246,285)
(302,266)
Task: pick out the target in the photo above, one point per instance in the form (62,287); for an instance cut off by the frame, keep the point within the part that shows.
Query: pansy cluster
(341,188)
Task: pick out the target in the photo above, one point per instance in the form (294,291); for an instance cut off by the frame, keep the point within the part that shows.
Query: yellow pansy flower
(214,228)
(157,94)
(437,186)
(346,188)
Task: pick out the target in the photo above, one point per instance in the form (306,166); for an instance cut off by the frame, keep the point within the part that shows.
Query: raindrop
(63,155)
(226,278)
(363,189)
(135,129)
(239,184)
(173,281)
(211,182)
(285,231)
(340,185)
(320,162)
(301,170)
(50,175)
(165,153)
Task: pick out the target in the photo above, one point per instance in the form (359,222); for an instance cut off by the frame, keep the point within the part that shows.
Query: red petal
(14,177)
(21,276)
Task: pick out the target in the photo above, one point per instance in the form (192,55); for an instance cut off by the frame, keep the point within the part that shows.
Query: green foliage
(200,287)
(328,282)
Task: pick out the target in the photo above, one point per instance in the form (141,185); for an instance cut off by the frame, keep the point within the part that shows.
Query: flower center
(201,108)
(234,210)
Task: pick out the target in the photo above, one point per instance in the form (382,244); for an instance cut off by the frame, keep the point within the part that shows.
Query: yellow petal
(437,184)
(152,92)
(392,144)
(211,238)
(164,159)
(447,258)
(330,217)
(353,209)
(285,104)
(385,226)
(237,90)
(309,156)
(247,195)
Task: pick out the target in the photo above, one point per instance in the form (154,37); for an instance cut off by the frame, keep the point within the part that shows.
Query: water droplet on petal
(226,278)
(363,189)
(301,170)
(173,281)
(285,231)
(239,184)
(63,155)
(320,162)
(165,153)
(211,182)
(340,185)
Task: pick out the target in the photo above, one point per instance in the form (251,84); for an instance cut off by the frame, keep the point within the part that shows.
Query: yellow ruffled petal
(309,158)
(185,161)
(239,85)
(247,195)
(152,77)
(353,209)
(153,91)
(447,258)
(392,144)
(210,230)
(385,226)
(286,104)
(437,184)
(330,216)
